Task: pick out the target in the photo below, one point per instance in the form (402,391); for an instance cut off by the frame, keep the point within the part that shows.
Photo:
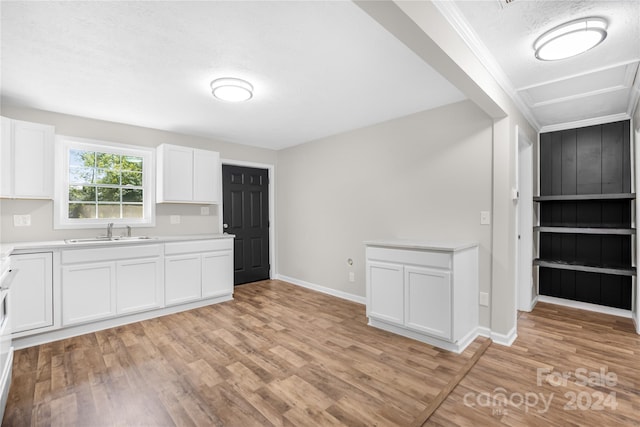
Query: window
(100,182)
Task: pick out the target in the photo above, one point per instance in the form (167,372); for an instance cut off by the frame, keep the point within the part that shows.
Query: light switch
(352,276)
(204,210)
(485,217)
(484,299)
(174,219)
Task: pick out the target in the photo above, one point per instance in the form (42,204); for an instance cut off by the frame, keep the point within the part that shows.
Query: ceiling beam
(423,29)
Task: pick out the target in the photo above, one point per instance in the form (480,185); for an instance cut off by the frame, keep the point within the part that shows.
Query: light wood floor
(276,355)
(282,355)
(559,341)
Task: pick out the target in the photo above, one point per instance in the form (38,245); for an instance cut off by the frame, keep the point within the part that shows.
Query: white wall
(41,211)
(425,176)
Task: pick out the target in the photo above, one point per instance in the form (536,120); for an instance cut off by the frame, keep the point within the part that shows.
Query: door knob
(225,226)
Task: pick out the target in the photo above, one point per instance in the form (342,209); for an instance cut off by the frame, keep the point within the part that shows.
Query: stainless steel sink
(108,239)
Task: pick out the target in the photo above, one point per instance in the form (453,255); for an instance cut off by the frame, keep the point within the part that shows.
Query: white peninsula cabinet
(99,283)
(187,175)
(26,154)
(198,269)
(425,291)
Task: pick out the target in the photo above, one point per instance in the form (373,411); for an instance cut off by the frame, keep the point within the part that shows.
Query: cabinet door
(182,278)
(88,292)
(175,170)
(206,176)
(217,274)
(385,293)
(428,301)
(27,150)
(6,160)
(139,285)
(32,292)
(32,160)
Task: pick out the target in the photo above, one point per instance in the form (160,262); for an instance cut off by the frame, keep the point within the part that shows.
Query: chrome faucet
(109,230)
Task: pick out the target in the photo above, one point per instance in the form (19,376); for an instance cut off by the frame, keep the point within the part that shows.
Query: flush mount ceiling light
(570,39)
(231,89)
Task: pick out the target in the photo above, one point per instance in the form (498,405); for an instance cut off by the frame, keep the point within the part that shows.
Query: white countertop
(7,248)
(451,246)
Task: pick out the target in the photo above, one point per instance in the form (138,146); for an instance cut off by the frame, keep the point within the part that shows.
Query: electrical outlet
(352,276)
(204,210)
(174,219)
(22,220)
(484,299)
(485,217)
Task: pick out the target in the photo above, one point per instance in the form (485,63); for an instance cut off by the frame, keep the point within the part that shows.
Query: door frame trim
(272,205)
(523,143)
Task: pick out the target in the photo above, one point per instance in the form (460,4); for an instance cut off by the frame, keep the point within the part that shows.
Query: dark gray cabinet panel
(585,221)
(589,153)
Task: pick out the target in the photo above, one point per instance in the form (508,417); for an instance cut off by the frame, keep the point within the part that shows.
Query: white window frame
(61,201)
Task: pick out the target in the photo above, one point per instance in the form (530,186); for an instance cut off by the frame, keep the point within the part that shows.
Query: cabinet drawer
(110,254)
(176,248)
(411,257)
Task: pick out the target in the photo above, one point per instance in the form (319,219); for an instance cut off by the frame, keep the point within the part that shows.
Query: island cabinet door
(385,294)
(428,301)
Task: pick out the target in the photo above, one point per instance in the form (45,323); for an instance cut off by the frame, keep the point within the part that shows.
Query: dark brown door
(245,195)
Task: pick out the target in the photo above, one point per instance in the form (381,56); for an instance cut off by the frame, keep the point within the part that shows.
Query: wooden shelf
(574,197)
(586,230)
(631,271)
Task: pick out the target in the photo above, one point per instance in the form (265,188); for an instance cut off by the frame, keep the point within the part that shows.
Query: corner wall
(425,176)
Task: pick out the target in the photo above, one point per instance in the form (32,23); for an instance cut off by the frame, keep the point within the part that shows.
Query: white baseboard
(505,339)
(483,331)
(323,289)
(73,331)
(586,306)
(533,303)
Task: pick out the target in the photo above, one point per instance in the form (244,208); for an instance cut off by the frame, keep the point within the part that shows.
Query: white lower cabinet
(80,288)
(101,283)
(200,269)
(32,292)
(423,291)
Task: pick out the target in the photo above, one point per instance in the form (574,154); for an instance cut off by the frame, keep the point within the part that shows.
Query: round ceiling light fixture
(231,89)
(570,39)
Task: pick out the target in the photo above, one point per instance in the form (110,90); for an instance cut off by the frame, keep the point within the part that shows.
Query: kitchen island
(424,290)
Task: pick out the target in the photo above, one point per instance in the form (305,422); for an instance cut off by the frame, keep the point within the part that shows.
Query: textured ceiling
(318,68)
(597,83)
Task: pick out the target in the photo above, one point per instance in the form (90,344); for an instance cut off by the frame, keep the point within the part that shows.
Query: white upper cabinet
(187,175)
(26,156)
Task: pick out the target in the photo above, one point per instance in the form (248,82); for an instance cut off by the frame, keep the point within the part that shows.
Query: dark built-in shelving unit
(585,230)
